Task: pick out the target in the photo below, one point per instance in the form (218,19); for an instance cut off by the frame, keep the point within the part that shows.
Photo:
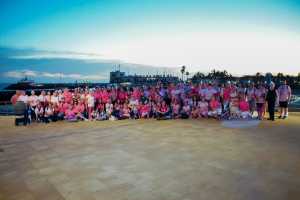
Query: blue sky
(234,35)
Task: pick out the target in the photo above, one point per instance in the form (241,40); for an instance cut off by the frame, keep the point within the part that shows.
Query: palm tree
(182,71)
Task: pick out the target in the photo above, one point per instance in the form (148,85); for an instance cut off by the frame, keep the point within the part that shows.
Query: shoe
(279,117)
(284,117)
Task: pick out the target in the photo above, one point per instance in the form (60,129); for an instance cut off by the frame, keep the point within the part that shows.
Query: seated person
(61,110)
(185,111)
(70,115)
(39,112)
(126,111)
(175,110)
(203,108)
(163,111)
(101,114)
(109,108)
(134,114)
(234,108)
(145,110)
(116,113)
(49,112)
(215,108)
(195,112)
(244,109)
(79,110)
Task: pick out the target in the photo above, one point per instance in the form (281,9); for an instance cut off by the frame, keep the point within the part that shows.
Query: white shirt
(41,98)
(90,101)
(23,98)
(209,93)
(54,99)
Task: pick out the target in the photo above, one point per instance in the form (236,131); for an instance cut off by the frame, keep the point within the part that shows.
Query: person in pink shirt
(244,109)
(225,94)
(78,110)
(145,110)
(69,114)
(215,108)
(104,96)
(284,93)
(67,96)
(260,95)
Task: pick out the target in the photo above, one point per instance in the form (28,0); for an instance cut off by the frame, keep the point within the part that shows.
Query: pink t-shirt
(214,104)
(284,92)
(244,106)
(68,97)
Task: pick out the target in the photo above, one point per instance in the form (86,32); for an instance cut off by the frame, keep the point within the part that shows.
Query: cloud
(20,74)
(29,73)
(31,53)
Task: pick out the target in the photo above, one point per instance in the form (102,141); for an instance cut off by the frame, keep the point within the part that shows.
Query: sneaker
(284,117)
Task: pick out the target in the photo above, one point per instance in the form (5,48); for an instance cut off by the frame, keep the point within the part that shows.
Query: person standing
(260,95)
(285,94)
(271,101)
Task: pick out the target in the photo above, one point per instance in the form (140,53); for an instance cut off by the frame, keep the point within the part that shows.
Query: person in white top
(284,93)
(42,98)
(90,102)
(54,98)
(48,98)
(210,92)
(60,95)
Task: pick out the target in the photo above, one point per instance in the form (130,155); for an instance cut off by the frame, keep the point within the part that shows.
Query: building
(117,77)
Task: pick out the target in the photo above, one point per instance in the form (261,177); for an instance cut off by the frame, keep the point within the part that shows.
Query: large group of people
(160,101)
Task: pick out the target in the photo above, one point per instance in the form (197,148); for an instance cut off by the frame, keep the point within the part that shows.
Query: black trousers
(271,109)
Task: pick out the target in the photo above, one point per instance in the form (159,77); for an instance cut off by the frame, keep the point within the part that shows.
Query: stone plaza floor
(150,160)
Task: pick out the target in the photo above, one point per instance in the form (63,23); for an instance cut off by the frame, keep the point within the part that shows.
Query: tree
(182,71)
(198,77)
(187,75)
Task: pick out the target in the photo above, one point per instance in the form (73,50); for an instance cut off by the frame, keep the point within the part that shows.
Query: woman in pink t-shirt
(244,109)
